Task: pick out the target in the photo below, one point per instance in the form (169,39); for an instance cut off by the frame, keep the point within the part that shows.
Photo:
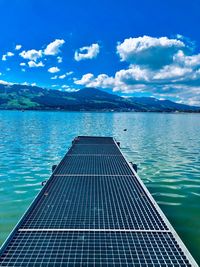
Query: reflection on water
(165,147)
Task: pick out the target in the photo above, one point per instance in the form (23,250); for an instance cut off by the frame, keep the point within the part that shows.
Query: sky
(130,48)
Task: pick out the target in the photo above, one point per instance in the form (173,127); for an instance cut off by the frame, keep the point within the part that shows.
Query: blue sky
(140,48)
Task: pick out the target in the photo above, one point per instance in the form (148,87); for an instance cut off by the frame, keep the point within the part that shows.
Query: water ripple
(165,147)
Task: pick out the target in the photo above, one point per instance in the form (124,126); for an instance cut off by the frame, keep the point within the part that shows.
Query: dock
(94,210)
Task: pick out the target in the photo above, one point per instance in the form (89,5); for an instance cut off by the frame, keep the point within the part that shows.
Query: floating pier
(94,211)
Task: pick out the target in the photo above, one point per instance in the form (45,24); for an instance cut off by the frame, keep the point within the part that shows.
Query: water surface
(166,148)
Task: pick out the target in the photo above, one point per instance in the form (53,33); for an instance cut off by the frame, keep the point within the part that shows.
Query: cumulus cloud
(183,60)
(68,89)
(33,64)
(65,86)
(71,90)
(161,66)
(29,84)
(86,79)
(101,81)
(8,54)
(32,54)
(87,52)
(193,100)
(62,76)
(149,51)
(53,69)
(59,59)
(69,73)
(54,77)
(171,73)
(5,82)
(18,47)
(22,64)
(54,47)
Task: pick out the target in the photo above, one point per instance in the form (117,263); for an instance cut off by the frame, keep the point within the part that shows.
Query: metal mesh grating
(88,202)
(94,212)
(98,165)
(94,149)
(93,140)
(93,249)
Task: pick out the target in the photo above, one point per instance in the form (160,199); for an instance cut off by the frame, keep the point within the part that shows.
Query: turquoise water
(166,148)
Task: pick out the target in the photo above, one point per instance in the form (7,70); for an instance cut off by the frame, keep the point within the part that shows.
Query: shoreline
(103,111)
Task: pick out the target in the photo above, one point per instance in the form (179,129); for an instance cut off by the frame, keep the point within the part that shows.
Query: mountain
(32,97)
(20,97)
(159,105)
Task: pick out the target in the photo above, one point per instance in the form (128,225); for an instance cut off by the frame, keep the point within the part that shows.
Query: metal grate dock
(94,211)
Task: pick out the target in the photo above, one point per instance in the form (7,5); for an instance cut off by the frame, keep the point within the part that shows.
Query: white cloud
(53,69)
(65,86)
(86,79)
(33,64)
(170,81)
(71,90)
(179,36)
(162,67)
(193,100)
(59,59)
(54,77)
(69,73)
(26,83)
(54,47)
(22,64)
(87,52)
(62,76)
(149,51)
(8,54)
(171,72)
(5,82)
(102,81)
(18,47)
(186,61)
(32,54)
(68,89)
(133,75)
(139,78)
(29,84)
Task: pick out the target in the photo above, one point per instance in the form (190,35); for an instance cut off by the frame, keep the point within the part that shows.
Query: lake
(166,148)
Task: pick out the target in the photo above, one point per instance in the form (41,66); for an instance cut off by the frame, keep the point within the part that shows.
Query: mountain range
(26,97)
